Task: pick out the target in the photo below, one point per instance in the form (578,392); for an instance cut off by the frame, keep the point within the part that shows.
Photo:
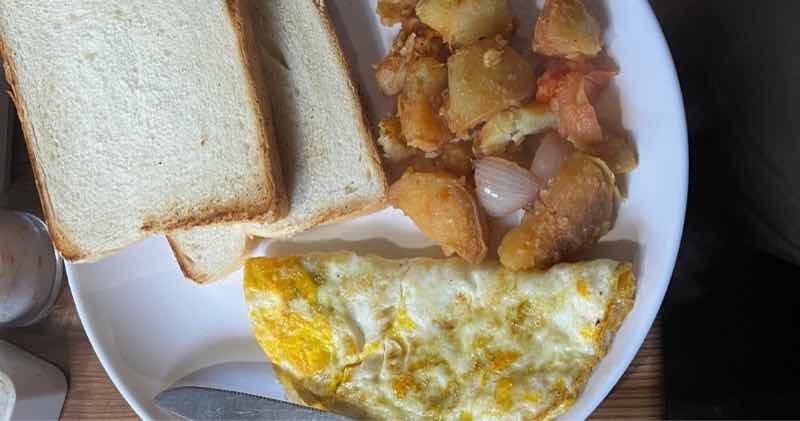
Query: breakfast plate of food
(411,208)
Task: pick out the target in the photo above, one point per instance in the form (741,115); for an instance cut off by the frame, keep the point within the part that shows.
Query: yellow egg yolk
(498,363)
(502,393)
(532,397)
(404,384)
(403,321)
(302,341)
(582,287)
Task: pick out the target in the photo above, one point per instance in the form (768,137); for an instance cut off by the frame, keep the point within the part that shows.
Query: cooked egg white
(434,338)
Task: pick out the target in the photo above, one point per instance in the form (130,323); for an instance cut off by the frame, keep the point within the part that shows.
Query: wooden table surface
(61,340)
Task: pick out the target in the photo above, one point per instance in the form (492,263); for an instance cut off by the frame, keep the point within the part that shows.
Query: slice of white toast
(331,164)
(331,167)
(141,116)
(210,253)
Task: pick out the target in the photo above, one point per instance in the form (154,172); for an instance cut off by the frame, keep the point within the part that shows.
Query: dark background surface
(731,314)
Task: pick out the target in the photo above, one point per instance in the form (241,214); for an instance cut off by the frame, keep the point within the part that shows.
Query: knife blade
(205,403)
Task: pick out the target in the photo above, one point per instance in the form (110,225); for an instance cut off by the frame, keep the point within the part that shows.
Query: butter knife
(205,403)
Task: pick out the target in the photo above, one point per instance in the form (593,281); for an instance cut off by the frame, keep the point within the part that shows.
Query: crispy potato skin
(445,209)
(391,74)
(426,77)
(577,207)
(457,158)
(512,126)
(565,28)
(483,79)
(452,71)
(414,41)
(391,140)
(419,103)
(618,152)
(462,22)
(395,11)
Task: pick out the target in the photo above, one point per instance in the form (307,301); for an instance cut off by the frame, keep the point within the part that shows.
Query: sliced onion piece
(503,187)
(553,150)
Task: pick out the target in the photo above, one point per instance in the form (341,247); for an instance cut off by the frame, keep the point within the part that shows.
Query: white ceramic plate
(151,327)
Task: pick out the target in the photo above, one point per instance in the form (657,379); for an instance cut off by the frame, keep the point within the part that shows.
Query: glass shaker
(31,271)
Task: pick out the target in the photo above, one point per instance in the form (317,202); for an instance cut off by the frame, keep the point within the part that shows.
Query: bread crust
(363,120)
(350,210)
(240,13)
(186,264)
(274,209)
(355,208)
(68,249)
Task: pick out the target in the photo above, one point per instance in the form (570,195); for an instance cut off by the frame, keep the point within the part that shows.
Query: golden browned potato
(427,42)
(512,126)
(618,152)
(445,209)
(414,40)
(395,11)
(391,74)
(462,22)
(419,103)
(454,158)
(422,126)
(422,163)
(426,77)
(483,79)
(457,158)
(391,140)
(565,28)
(576,208)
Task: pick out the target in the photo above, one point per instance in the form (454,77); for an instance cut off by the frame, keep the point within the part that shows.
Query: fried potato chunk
(512,126)
(395,11)
(390,138)
(462,22)
(391,74)
(577,207)
(419,103)
(454,158)
(618,152)
(414,40)
(483,79)
(565,28)
(457,158)
(445,209)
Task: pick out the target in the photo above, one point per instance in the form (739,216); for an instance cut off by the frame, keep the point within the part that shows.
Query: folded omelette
(434,338)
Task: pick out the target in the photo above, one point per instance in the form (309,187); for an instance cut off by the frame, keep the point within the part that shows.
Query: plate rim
(683,149)
(98,347)
(649,316)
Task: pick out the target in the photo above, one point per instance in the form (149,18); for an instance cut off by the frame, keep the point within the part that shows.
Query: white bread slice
(140,116)
(210,253)
(331,166)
